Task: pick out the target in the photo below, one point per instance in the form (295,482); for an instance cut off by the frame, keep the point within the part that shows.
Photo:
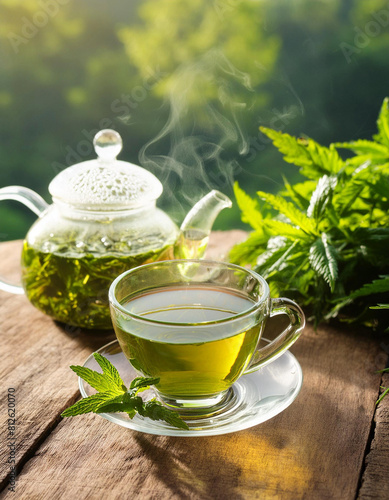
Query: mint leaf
(129,406)
(113,395)
(89,404)
(143,382)
(95,379)
(109,371)
(136,364)
(151,409)
(156,411)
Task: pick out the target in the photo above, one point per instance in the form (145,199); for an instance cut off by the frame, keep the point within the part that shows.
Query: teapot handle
(35,203)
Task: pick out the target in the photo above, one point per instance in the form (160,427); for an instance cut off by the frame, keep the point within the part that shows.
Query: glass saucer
(257,397)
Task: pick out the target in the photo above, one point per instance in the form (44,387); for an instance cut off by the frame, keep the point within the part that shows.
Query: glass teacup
(196,325)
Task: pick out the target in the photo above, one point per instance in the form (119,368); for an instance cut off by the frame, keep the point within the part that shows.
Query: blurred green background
(186,84)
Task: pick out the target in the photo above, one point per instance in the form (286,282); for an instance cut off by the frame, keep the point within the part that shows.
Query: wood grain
(313,450)
(35,357)
(375,480)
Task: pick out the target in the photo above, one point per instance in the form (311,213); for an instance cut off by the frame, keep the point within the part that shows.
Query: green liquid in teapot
(74,289)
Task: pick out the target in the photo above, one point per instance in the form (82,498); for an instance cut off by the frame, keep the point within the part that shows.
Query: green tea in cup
(196,326)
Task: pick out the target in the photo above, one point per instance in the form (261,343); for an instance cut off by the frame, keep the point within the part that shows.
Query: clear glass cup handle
(35,203)
(285,339)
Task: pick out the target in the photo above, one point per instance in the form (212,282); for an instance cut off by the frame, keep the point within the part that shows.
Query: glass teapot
(103,221)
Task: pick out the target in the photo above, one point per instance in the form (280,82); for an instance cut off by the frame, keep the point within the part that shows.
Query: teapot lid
(105,183)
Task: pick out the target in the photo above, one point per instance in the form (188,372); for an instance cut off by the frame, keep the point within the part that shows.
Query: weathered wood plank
(35,357)
(312,450)
(36,354)
(375,480)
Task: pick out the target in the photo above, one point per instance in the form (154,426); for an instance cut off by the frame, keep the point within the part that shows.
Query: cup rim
(115,303)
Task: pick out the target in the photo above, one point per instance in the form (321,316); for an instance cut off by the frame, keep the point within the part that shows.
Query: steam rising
(203,130)
(204,137)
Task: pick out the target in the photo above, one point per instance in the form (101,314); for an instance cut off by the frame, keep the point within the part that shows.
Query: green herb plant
(325,240)
(114,396)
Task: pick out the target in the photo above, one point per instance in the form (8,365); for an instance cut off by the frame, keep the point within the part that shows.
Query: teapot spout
(197,225)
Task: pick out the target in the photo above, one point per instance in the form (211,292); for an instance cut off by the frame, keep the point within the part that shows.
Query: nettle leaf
(366,150)
(326,160)
(380,189)
(287,268)
(383,124)
(313,159)
(339,217)
(321,196)
(377,286)
(373,243)
(345,198)
(296,216)
(249,208)
(323,259)
(351,188)
(289,146)
(300,193)
(276,248)
(247,252)
(276,227)
(282,259)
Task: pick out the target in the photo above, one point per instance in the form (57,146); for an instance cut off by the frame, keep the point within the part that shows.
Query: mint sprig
(114,396)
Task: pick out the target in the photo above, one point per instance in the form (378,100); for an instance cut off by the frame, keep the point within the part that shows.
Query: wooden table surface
(331,443)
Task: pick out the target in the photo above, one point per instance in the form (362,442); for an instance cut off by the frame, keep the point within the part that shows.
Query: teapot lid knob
(107,144)
(105,184)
